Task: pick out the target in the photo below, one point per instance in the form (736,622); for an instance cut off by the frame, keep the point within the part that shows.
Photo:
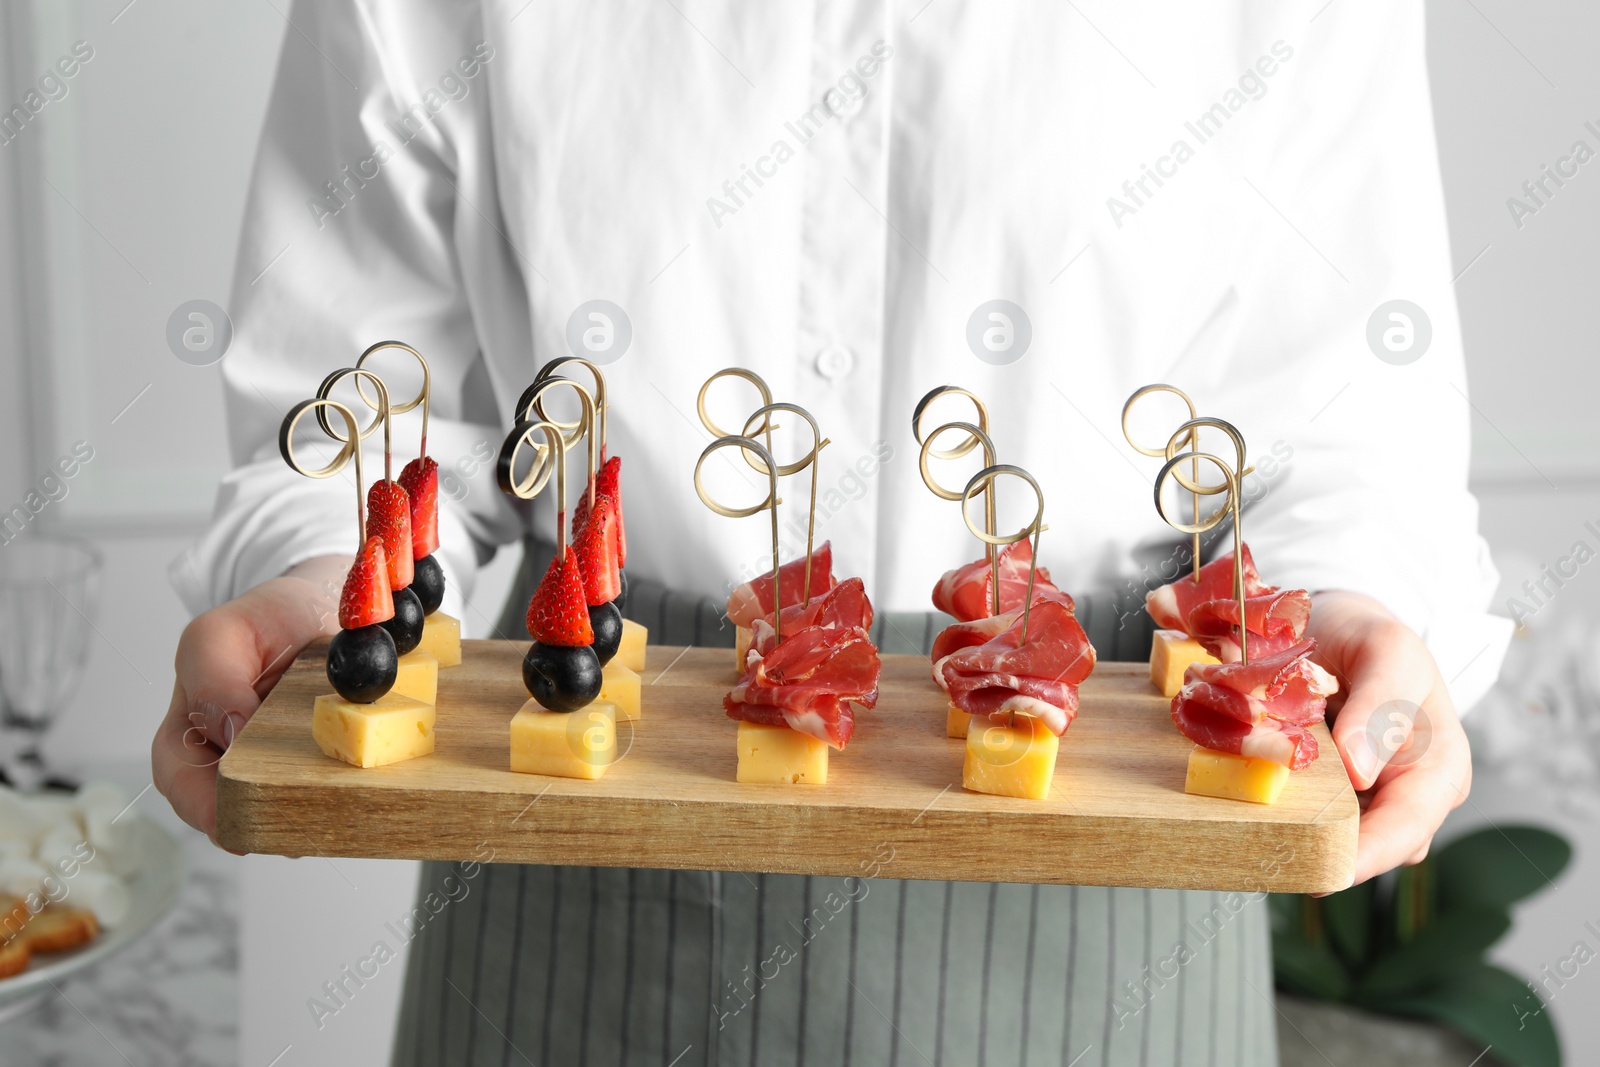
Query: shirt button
(834,362)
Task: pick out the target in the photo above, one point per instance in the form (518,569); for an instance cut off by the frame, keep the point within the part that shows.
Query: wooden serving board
(1118,814)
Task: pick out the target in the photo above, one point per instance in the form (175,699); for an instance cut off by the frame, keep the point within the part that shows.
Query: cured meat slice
(1260,709)
(808,682)
(1037,678)
(845,605)
(966,591)
(754,598)
(1208,610)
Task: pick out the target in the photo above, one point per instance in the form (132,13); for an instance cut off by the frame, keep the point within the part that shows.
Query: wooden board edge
(1306,858)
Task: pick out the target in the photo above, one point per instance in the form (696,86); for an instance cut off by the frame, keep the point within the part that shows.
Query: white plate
(154,889)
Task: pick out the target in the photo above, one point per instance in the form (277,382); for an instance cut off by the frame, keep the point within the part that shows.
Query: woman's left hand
(1396,729)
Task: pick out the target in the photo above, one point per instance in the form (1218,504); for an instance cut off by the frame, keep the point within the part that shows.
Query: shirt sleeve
(1362,484)
(371,216)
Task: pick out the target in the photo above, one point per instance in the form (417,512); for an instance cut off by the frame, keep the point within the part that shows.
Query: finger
(1420,854)
(1388,687)
(219,665)
(184,773)
(1407,809)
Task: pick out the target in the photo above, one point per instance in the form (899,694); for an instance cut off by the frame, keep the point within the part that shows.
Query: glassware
(49,587)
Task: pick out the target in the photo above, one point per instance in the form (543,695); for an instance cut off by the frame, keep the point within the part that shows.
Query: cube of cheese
(1171,652)
(392,728)
(418,677)
(741,647)
(630,653)
(566,744)
(1222,774)
(1010,761)
(441,638)
(955,722)
(621,687)
(776,755)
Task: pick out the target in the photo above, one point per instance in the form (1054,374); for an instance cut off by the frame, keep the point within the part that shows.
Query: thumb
(1382,712)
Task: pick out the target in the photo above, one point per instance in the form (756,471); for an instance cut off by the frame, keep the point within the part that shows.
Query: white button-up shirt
(1050,205)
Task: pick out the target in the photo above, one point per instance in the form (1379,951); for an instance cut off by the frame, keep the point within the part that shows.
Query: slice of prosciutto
(808,681)
(1260,709)
(966,591)
(845,605)
(1208,610)
(1037,678)
(754,598)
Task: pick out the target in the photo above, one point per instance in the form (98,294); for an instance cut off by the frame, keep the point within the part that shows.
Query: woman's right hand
(228,661)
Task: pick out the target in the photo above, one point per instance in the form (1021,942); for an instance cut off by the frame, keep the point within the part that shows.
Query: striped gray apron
(589,965)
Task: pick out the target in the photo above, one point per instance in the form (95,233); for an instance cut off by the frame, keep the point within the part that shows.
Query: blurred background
(120,201)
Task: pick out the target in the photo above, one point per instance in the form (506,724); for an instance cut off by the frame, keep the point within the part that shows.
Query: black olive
(622,596)
(362,663)
(427,582)
(607,623)
(406,625)
(560,677)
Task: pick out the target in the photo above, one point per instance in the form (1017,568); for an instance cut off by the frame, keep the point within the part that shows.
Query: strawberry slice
(558,614)
(607,483)
(389,517)
(420,480)
(367,597)
(596,549)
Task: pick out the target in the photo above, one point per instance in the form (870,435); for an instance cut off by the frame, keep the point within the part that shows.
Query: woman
(861,201)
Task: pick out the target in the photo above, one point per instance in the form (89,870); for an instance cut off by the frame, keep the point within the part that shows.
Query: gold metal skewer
(351,449)
(984,481)
(424,394)
(750,445)
(1233,477)
(976,435)
(784,470)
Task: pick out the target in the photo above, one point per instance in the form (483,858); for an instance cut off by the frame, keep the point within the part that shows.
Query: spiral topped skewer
(983,483)
(1233,477)
(769,503)
(976,436)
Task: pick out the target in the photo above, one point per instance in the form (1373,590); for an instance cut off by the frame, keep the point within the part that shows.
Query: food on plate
(756,598)
(64,861)
(1171,653)
(1019,682)
(1207,608)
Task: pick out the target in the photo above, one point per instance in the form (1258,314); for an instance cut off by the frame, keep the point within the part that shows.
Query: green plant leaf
(1498,866)
(1439,951)
(1414,902)
(1347,916)
(1494,1008)
(1307,969)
